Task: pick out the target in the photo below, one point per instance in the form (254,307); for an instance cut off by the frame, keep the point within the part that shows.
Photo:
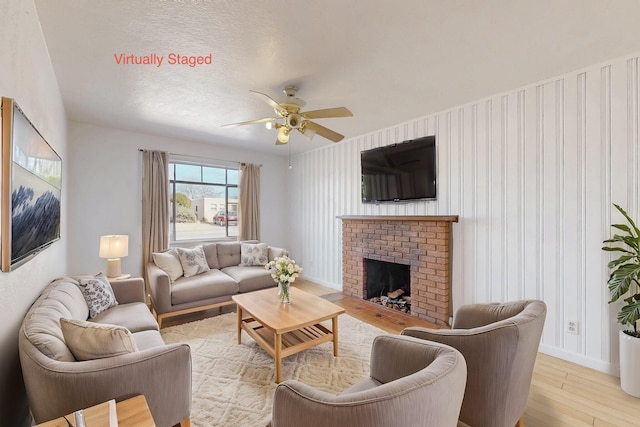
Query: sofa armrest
(129,290)
(276,252)
(160,288)
(161,374)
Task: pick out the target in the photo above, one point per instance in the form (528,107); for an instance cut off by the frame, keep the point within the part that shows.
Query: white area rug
(233,384)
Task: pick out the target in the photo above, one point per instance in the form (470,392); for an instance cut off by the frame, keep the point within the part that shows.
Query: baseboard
(598,365)
(322,282)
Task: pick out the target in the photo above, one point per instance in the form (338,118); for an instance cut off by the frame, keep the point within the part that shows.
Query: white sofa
(214,288)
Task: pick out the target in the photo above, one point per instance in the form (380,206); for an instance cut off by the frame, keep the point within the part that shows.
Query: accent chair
(412,383)
(499,343)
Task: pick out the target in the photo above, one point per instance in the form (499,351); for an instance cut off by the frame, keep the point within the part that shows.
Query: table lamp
(113,248)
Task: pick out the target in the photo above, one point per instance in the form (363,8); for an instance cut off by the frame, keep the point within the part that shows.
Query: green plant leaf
(616,249)
(633,224)
(620,260)
(621,279)
(629,314)
(622,227)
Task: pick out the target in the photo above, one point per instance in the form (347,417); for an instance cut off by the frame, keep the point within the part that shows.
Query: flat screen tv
(400,172)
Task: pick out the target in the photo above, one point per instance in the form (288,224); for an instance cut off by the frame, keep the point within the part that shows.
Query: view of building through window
(203,202)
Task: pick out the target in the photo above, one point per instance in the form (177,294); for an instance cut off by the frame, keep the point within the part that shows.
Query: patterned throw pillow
(88,341)
(254,254)
(193,261)
(98,294)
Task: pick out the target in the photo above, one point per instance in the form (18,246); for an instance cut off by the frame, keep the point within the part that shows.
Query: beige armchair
(499,343)
(412,383)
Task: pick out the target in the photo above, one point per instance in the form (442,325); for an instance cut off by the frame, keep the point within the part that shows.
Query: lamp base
(113,268)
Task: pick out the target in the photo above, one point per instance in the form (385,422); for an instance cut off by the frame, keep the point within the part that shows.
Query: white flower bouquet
(284,271)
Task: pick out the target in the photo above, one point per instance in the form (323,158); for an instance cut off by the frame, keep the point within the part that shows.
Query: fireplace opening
(388,284)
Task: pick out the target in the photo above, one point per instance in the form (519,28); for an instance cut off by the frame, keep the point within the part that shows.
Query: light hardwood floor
(562,393)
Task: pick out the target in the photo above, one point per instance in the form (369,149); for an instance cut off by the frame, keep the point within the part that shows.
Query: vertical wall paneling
(595,110)
(531,173)
(633,122)
(605,192)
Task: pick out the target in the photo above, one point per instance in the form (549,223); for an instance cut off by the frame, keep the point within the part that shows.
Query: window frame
(174,183)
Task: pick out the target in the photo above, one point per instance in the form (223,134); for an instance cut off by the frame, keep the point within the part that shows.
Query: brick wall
(423,242)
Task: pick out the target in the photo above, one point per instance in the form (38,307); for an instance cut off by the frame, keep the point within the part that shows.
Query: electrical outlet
(572,327)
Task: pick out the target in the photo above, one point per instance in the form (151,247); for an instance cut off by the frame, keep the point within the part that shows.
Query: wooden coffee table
(285,329)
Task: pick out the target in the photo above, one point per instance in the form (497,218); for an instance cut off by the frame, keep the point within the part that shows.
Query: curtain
(249,215)
(155,205)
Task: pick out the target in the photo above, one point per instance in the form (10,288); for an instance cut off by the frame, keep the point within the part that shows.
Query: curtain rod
(200,157)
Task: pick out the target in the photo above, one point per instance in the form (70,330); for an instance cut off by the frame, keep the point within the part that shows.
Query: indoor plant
(284,271)
(624,283)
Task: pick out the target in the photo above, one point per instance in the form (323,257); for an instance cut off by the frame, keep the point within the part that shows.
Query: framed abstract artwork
(30,191)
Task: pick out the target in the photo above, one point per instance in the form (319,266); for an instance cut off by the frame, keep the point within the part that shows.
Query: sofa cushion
(41,325)
(211,284)
(228,254)
(97,293)
(89,341)
(169,262)
(250,278)
(134,316)
(211,254)
(148,339)
(254,254)
(193,261)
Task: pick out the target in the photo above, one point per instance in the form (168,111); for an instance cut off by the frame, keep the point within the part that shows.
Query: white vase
(630,364)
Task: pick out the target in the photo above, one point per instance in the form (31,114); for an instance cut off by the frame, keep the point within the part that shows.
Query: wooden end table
(285,329)
(132,412)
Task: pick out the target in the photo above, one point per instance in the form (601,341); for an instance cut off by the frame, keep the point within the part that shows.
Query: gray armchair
(499,343)
(412,383)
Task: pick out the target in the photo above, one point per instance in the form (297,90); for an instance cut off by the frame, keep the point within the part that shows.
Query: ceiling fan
(289,117)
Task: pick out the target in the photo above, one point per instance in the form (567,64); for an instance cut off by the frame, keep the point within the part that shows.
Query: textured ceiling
(387,61)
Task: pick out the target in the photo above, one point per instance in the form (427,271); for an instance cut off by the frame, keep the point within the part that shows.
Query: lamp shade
(115,246)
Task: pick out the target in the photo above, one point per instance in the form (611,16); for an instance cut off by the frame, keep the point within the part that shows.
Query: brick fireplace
(423,242)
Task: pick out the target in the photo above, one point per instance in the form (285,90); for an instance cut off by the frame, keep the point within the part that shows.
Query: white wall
(532,174)
(105,175)
(28,77)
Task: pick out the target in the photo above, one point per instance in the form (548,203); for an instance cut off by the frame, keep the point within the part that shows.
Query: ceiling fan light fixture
(309,133)
(283,134)
(270,125)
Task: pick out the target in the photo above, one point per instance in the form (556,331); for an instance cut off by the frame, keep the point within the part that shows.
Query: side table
(133,412)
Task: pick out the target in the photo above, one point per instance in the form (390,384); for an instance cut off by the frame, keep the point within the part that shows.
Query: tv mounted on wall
(400,172)
(30,191)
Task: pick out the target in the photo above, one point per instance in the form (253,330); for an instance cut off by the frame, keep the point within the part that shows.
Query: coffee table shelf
(292,342)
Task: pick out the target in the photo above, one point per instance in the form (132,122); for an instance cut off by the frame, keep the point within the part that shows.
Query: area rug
(233,384)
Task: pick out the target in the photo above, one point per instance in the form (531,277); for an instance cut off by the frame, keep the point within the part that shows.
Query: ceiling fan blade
(250,122)
(323,131)
(279,108)
(327,113)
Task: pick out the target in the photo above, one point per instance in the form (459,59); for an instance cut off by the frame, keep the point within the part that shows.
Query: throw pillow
(169,262)
(97,293)
(88,341)
(254,254)
(193,261)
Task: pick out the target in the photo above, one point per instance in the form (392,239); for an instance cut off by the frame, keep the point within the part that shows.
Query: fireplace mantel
(448,218)
(422,242)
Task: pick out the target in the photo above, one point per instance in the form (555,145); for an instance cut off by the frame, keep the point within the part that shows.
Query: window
(203,201)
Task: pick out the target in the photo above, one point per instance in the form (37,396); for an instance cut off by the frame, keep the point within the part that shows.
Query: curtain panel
(155,205)
(249,215)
